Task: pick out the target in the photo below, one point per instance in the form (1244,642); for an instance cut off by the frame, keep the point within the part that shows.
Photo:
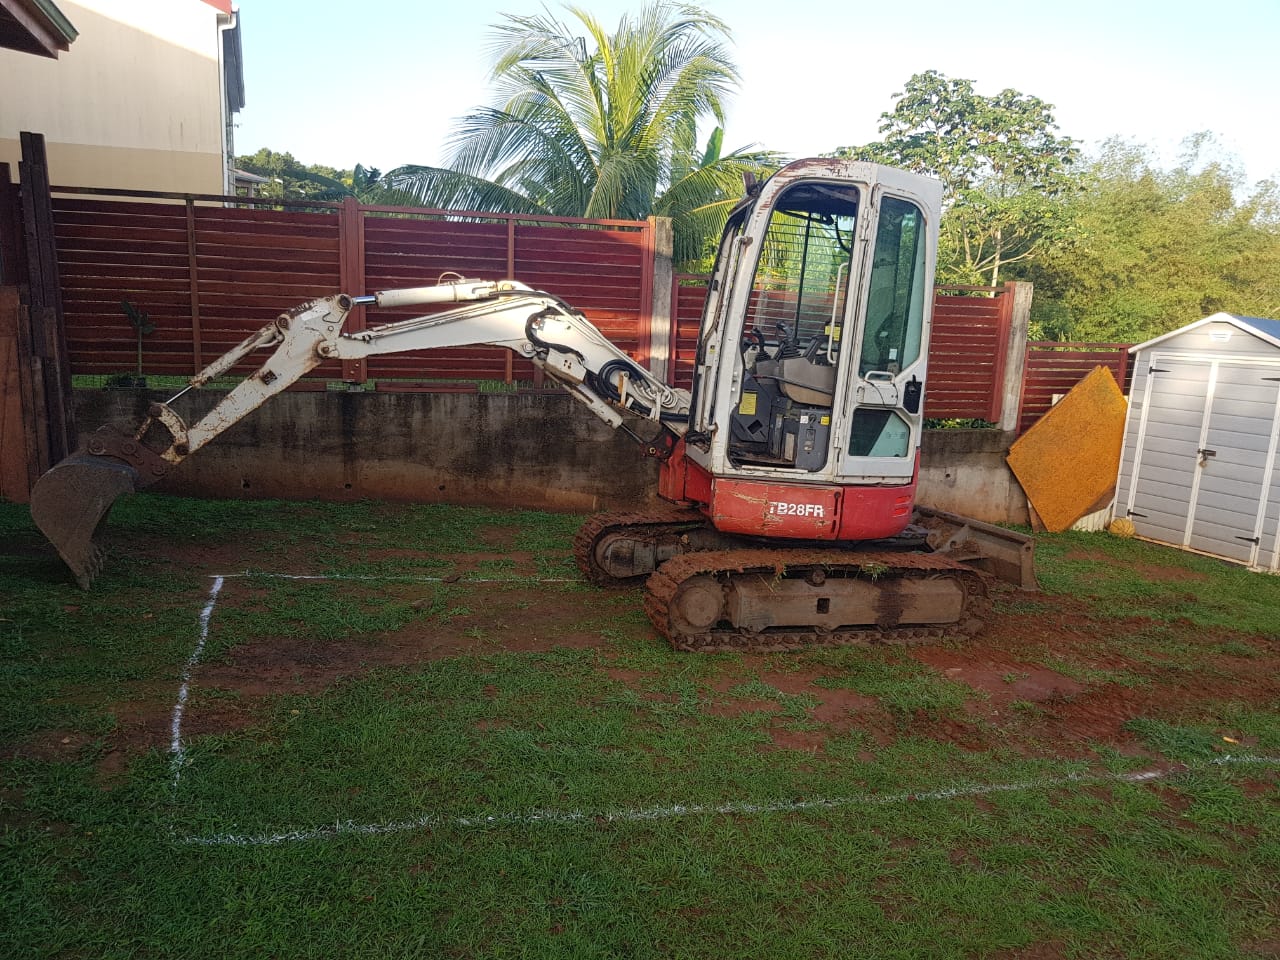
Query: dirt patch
(1003,680)
(631,678)
(806,741)
(1151,571)
(740,708)
(1048,950)
(838,711)
(51,745)
(512,617)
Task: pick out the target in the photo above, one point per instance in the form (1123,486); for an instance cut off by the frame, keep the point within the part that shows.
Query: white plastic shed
(1198,467)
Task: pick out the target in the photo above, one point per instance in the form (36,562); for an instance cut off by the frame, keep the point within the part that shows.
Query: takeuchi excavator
(791,465)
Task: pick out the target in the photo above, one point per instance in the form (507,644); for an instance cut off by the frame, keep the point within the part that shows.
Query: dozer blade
(71,502)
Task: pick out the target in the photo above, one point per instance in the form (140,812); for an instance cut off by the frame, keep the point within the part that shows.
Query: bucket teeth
(92,566)
(70,504)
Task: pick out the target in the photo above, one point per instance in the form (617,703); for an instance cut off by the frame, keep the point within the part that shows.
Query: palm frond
(446,189)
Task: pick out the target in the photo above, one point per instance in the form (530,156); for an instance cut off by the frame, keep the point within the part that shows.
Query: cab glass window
(801,281)
(896,294)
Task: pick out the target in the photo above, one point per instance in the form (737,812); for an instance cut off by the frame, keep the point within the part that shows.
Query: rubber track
(589,534)
(663,585)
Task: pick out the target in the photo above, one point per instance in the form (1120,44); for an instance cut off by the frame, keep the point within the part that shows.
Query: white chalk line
(431,821)
(391,578)
(177,752)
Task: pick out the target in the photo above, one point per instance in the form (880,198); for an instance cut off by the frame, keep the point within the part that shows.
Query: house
(144,99)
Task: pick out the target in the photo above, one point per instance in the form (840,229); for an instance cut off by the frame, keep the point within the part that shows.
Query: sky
(381,82)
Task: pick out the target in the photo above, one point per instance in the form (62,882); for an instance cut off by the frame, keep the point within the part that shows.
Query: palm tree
(602,125)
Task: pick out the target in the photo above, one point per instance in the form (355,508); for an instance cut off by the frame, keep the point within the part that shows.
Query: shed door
(1208,455)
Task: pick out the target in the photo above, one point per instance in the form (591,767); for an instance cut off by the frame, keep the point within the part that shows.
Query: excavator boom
(71,502)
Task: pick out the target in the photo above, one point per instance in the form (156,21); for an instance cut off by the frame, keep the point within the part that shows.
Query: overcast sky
(380,82)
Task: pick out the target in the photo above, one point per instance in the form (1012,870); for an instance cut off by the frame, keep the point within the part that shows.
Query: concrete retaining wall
(538,450)
(964,471)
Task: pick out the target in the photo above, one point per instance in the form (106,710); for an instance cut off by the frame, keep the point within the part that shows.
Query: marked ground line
(177,754)
(742,808)
(391,578)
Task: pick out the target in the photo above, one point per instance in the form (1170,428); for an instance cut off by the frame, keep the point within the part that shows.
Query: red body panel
(869,513)
(789,511)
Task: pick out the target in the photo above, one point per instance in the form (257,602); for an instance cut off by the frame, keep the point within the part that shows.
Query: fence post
(660,339)
(48,336)
(1015,355)
(10,227)
(351,277)
(193,278)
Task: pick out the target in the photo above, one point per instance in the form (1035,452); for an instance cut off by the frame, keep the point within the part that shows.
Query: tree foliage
(589,123)
(1161,248)
(1005,170)
(289,179)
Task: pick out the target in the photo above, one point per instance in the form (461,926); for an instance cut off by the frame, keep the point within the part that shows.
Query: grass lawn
(448,746)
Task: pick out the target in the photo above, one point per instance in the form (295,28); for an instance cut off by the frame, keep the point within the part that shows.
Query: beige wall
(136,102)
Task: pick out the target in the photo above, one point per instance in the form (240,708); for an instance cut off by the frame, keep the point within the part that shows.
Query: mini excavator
(790,467)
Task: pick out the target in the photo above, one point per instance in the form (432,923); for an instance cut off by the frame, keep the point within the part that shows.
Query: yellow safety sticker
(825,421)
(747,405)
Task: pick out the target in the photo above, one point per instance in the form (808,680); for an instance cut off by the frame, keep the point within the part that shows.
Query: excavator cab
(811,362)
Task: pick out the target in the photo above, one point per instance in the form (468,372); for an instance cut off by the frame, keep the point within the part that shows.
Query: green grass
(1112,573)
(98,858)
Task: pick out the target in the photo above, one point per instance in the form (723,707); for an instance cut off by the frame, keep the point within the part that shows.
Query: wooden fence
(207,274)
(1054,368)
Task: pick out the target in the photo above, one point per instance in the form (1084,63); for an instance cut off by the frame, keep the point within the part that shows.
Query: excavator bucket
(70,503)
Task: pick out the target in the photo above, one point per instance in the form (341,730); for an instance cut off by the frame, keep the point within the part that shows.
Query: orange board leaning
(1068,460)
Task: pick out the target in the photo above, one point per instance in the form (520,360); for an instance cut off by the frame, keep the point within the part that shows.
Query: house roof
(1263,329)
(244,176)
(35,26)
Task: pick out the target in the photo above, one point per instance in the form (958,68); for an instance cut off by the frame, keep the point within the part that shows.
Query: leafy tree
(1005,170)
(289,179)
(1161,248)
(589,123)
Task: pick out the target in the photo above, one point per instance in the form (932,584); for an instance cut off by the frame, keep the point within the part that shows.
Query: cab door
(883,414)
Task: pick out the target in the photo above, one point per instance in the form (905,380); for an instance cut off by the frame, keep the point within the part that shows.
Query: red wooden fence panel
(596,266)
(208,274)
(1054,368)
(688,296)
(253,265)
(966,357)
(417,251)
(111,252)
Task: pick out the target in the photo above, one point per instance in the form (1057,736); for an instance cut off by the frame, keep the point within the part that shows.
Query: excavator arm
(71,501)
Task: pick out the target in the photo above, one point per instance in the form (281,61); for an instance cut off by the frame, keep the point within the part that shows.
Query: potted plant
(142,325)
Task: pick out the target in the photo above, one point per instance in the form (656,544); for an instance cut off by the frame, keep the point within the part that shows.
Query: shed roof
(1266,330)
